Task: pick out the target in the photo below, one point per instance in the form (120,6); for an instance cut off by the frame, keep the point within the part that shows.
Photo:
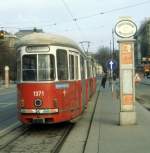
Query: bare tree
(102,56)
(7,57)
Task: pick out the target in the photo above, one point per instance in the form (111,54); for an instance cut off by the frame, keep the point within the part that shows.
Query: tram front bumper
(39,111)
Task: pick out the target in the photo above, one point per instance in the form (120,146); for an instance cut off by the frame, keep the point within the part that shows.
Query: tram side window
(46,67)
(76,68)
(62,64)
(52,67)
(91,73)
(71,66)
(82,67)
(18,66)
(29,68)
(88,70)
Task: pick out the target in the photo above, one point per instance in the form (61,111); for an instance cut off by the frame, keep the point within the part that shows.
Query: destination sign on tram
(32,49)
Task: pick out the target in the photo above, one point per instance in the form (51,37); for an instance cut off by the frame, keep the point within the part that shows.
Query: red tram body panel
(53,85)
(87,92)
(60,101)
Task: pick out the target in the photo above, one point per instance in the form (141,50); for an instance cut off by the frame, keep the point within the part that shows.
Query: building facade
(142,46)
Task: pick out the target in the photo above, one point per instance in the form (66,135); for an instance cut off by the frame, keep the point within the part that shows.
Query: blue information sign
(111,64)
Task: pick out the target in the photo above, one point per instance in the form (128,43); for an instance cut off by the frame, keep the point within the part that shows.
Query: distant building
(99,69)
(8,55)
(22,33)
(8,52)
(10,40)
(142,46)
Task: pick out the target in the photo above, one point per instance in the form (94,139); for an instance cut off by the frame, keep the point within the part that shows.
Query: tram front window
(44,71)
(46,65)
(29,68)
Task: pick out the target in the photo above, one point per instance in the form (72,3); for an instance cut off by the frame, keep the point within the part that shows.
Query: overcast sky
(95,19)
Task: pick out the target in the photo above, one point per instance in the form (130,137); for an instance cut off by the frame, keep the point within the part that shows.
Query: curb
(146,81)
(9,129)
(9,87)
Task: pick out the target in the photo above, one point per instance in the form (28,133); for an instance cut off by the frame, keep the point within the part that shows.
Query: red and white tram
(54,79)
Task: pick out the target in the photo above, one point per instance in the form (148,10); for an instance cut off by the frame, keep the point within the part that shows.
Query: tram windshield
(38,67)
(29,68)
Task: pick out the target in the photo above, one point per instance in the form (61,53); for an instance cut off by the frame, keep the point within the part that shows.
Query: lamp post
(113,47)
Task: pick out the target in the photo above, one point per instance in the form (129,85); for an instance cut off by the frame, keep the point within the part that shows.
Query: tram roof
(46,39)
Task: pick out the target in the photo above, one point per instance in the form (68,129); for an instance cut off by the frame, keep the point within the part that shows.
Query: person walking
(103,82)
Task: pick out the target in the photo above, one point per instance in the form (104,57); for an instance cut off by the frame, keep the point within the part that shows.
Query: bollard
(6,76)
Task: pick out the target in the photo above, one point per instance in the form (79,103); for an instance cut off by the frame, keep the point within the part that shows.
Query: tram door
(83,82)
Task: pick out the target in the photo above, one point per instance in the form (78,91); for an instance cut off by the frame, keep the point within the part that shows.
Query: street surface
(8,114)
(143,95)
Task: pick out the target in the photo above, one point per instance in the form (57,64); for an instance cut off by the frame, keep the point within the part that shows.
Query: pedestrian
(117,88)
(103,82)
(137,78)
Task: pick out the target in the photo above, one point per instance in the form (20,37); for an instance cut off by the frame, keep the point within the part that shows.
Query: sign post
(111,65)
(126,29)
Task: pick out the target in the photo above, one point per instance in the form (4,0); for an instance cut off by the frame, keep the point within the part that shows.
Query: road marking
(7,92)
(7,103)
(4,105)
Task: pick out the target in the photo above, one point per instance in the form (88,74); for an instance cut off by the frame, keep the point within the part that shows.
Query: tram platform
(105,134)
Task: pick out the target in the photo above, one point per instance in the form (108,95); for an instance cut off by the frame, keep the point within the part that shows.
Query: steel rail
(12,135)
(61,141)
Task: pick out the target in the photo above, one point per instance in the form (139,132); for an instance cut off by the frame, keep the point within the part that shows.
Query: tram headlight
(55,102)
(38,102)
(22,103)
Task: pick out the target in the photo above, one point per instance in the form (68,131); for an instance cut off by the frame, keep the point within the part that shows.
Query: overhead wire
(78,27)
(113,10)
(83,17)
(74,19)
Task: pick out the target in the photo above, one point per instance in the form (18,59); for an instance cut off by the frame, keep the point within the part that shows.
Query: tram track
(35,138)
(59,144)
(11,135)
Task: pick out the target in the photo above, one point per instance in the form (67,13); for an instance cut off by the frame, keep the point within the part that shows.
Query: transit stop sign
(111,64)
(125,30)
